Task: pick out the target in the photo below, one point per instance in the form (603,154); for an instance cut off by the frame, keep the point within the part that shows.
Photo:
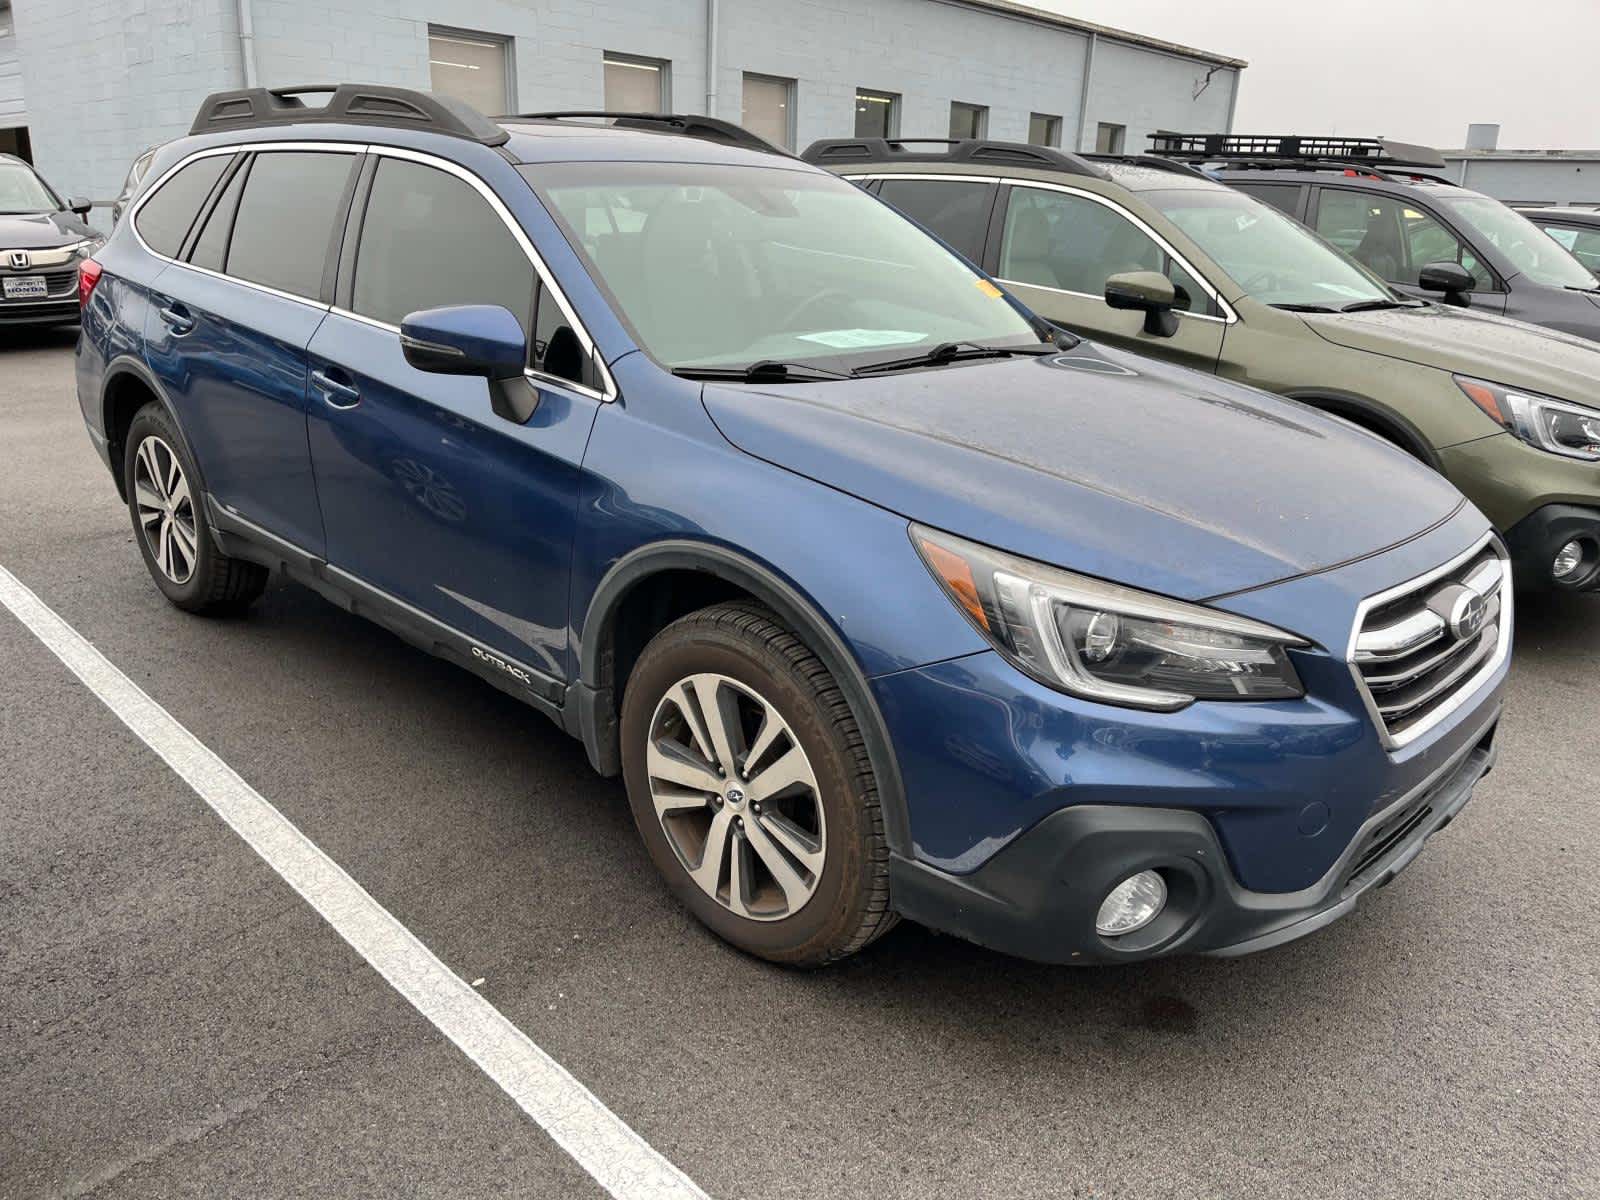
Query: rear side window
(164,218)
(956,210)
(429,240)
(211,247)
(285,219)
(1285,197)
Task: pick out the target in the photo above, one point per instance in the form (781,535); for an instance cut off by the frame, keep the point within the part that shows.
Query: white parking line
(602,1144)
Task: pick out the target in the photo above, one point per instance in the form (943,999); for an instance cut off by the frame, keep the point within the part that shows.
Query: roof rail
(834,152)
(1329,151)
(348,104)
(712,129)
(1154,161)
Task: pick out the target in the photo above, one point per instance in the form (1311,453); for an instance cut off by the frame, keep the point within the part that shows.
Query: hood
(1473,343)
(41,231)
(1102,462)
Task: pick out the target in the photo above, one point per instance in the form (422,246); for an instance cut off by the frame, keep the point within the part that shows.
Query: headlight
(1105,642)
(1554,425)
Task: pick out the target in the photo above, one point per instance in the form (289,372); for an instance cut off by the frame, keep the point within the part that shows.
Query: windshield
(22,192)
(725,266)
(1273,258)
(1524,243)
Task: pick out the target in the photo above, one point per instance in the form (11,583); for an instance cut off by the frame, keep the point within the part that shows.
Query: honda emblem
(19,260)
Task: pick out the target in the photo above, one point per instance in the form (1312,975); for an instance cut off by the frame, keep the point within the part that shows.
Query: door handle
(336,392)
(177,319)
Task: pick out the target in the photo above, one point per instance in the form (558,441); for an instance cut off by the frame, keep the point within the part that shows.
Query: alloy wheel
(166,509)
(736,797)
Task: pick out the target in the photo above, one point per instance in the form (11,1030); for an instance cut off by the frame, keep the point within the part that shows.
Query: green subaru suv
(1155,256)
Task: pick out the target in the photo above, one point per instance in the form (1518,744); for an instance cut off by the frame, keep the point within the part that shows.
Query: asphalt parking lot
(176,1021)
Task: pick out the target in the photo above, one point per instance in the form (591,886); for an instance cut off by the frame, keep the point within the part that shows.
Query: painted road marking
(599,1141)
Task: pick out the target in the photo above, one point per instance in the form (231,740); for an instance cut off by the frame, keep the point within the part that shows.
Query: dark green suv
(1152,255)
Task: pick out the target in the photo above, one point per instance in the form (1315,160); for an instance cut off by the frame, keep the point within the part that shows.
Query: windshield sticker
(861,339)
(988,289)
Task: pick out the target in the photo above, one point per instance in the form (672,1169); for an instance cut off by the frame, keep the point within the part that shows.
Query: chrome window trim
(547,281)
(1469,689)
(1229,316)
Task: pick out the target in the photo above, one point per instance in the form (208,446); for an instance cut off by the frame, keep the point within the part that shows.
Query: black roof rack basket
(835,152)
(711,129)
(347,104)
(1375,152)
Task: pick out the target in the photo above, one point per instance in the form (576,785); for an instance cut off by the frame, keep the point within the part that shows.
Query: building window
(1108,138)
(877,114)
(474,67)
(1044,130)
(968,120)
(6,29)
(637,84)
(769,109)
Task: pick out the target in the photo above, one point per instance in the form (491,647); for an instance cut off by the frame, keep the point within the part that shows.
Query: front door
(1395,238)
(451,494)
(1058,248)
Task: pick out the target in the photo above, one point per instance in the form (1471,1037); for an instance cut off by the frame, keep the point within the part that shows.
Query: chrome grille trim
(1407,695)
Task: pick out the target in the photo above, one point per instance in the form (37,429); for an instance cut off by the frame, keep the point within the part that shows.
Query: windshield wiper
(1378,305)
(1326,308)
(947,352)
(768,370)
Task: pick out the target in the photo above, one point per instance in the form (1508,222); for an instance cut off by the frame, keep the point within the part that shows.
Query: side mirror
(1451,278)
(465,339)
(80,205)
(1149,292)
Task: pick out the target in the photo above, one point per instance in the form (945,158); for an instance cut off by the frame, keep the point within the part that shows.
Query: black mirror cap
(1447,277)
(1149,292)
(80,205)
(465,339)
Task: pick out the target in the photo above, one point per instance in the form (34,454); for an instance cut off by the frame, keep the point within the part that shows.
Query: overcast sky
(1413,70)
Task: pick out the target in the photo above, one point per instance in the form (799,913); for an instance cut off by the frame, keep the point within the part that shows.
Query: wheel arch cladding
(1375,418)
(652,586)
(129,386)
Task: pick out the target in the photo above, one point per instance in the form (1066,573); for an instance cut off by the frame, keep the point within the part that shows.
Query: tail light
(89,273)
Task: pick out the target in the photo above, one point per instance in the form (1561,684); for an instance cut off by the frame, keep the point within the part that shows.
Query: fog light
(1568,560)
(1131,905)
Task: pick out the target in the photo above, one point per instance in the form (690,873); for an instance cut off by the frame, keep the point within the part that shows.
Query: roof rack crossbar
(1346,151)
(712,129)
(347,104)
(832,152)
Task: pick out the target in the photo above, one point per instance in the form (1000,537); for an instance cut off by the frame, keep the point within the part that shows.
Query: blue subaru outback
(884,598)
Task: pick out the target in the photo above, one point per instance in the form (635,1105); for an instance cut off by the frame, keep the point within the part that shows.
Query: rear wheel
(170,524)
(752,789)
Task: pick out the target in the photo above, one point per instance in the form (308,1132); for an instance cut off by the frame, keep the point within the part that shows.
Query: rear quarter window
(164,219)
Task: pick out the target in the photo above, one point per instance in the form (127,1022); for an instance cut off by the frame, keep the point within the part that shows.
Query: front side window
(1074,244)
(557,350)
(768,109)
(877,114)
(474,67)
(429,240)
(1520,240)
(639,85)
(164,218)
(968,120)
(957,211)
(1271,258)
(281,233)
(1391,237)
(731,265)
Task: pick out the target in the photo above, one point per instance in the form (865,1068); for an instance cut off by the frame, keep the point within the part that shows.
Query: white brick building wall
(106,78)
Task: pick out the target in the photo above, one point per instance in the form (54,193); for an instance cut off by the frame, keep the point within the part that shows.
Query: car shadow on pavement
(27,337)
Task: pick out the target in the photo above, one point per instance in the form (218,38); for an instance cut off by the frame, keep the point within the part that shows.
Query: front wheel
(752,788)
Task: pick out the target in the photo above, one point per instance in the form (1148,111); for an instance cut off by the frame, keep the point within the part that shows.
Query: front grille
(1424,645)
(60,284)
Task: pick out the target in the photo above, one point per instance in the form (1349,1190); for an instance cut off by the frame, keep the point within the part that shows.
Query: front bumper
(1038,897)
(1535,540)
(39,312)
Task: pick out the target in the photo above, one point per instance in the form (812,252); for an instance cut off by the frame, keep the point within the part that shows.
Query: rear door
(1057,246)
(953,209)
(231,321)
(1396,237)
(452,495)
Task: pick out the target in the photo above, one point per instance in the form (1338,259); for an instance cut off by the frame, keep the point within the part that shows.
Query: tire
(170,523)
(774,697)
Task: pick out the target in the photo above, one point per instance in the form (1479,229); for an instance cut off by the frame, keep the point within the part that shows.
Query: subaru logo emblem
(1467,615)
(19,260)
